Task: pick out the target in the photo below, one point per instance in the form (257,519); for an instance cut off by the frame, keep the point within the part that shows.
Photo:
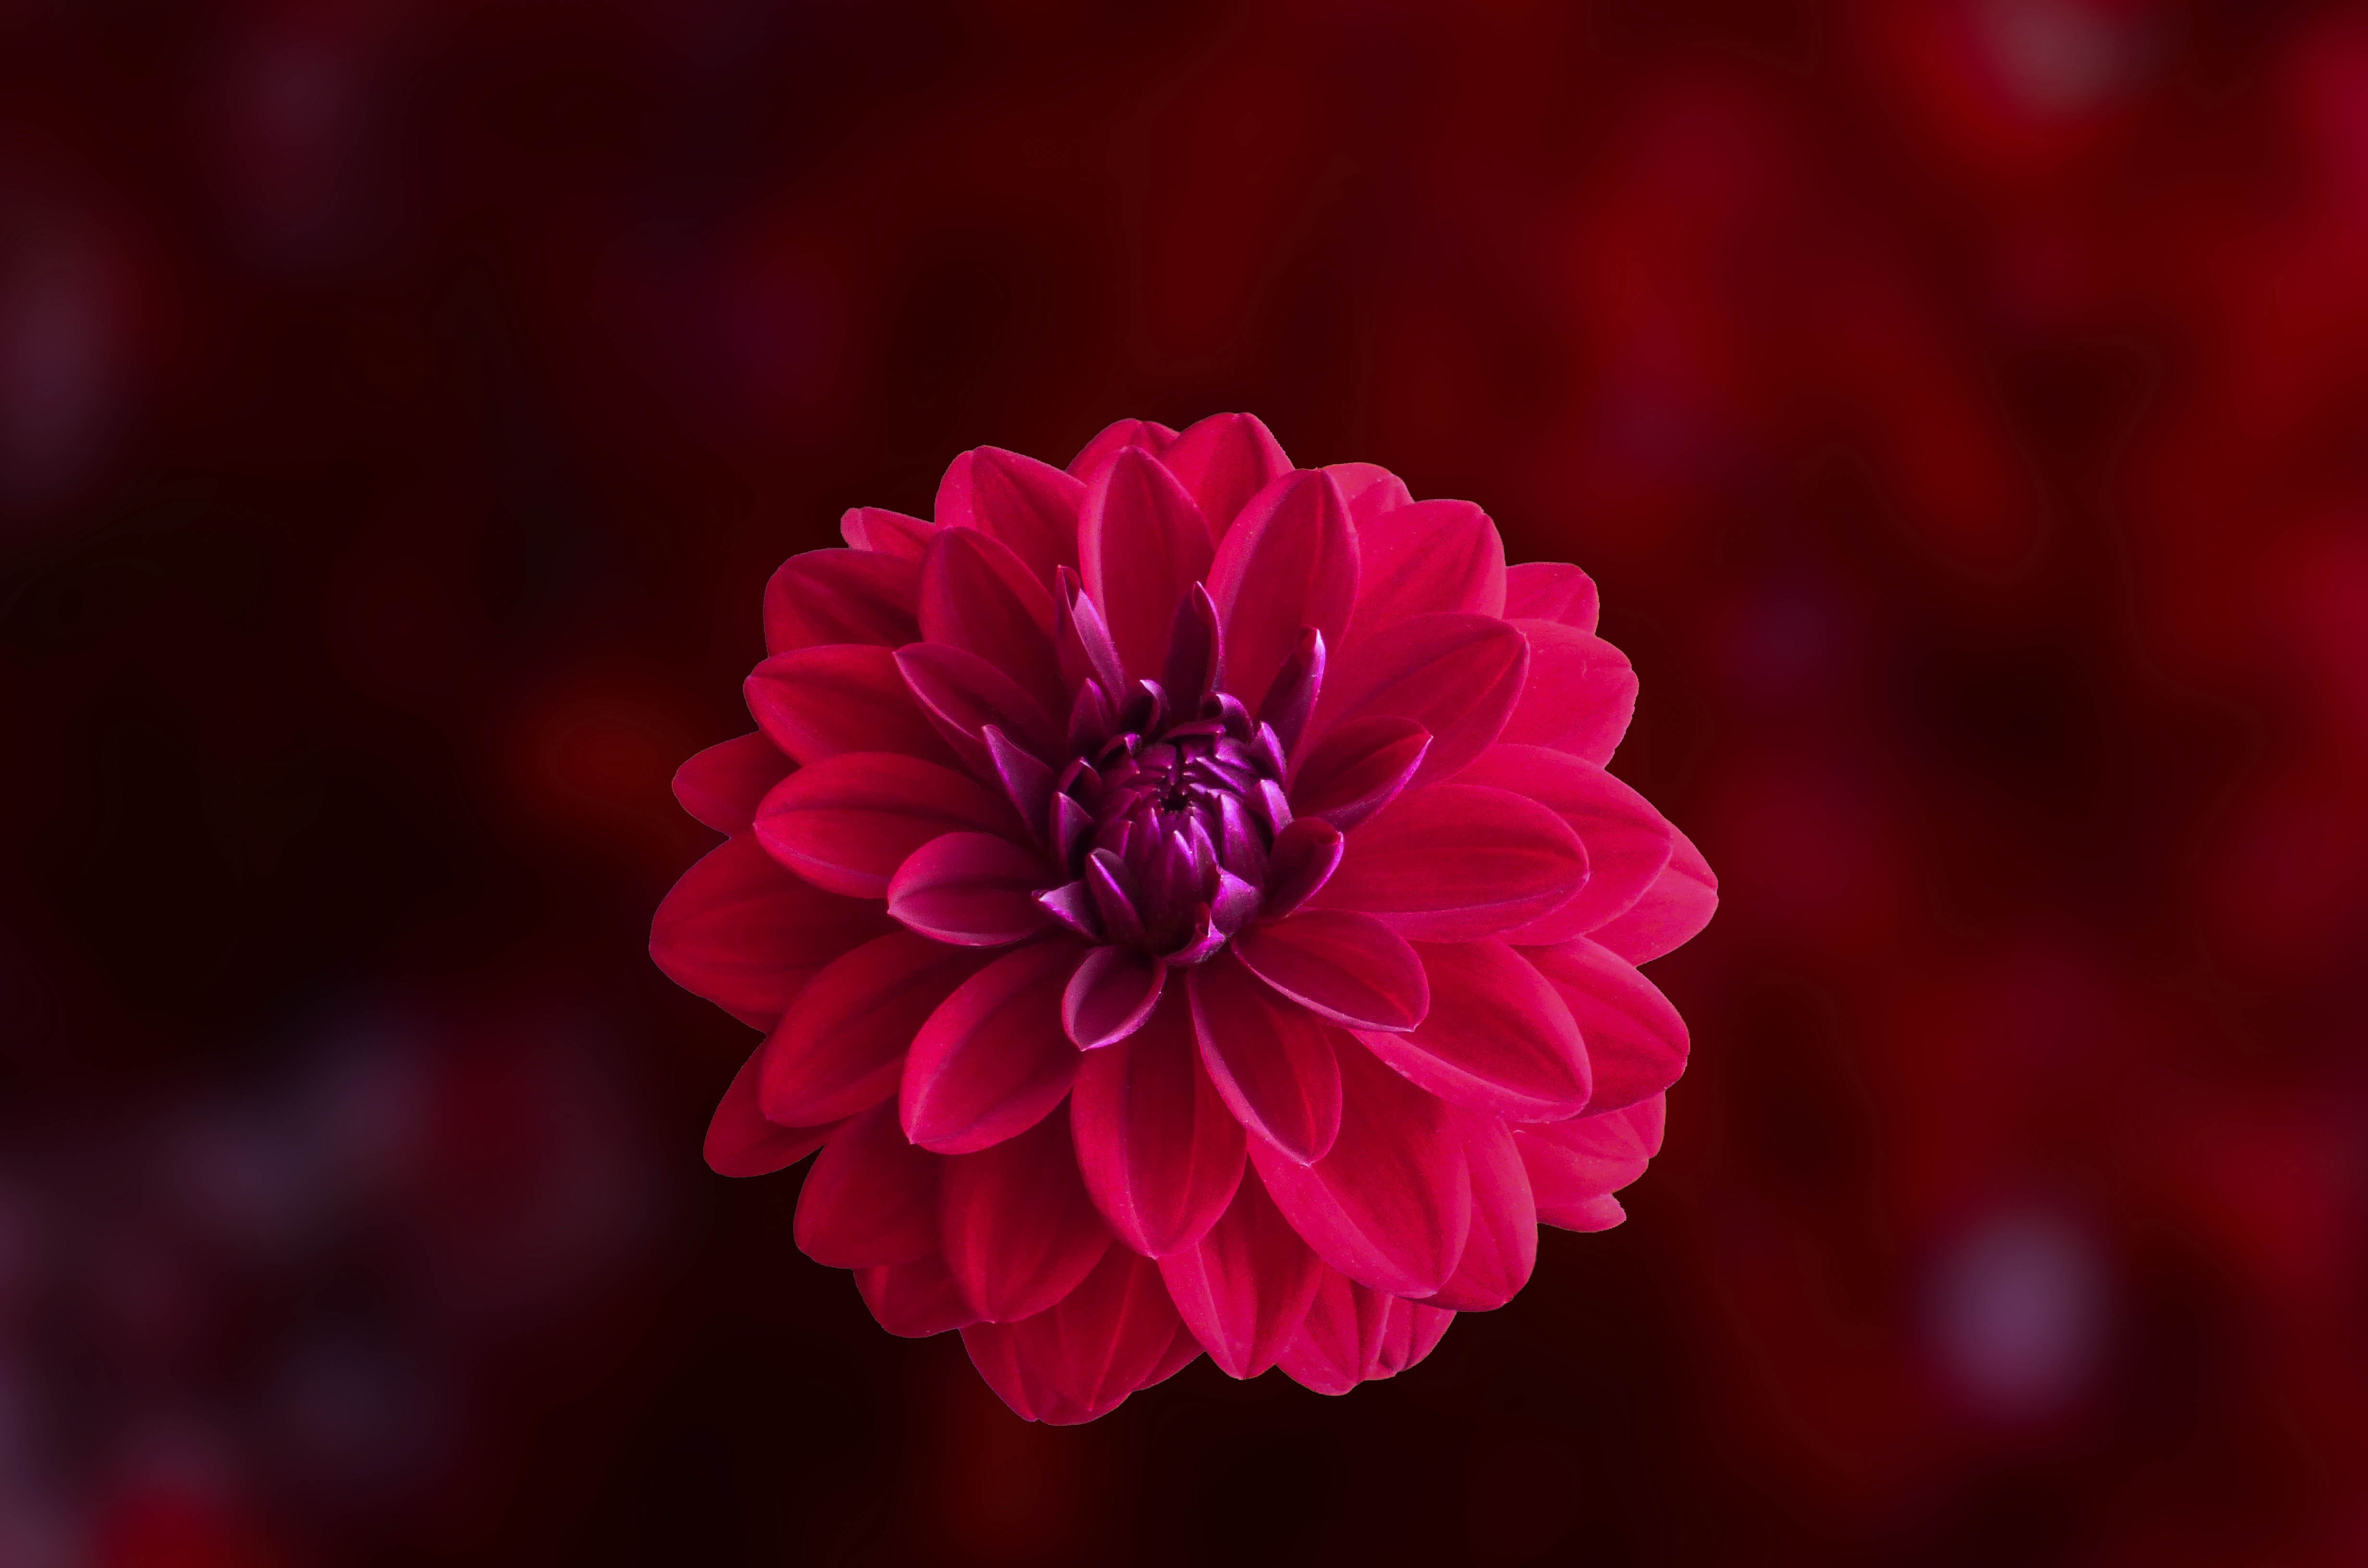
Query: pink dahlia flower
(1189,912)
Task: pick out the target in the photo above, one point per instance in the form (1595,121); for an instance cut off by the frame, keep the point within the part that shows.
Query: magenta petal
(1359,767)
(974,890)
(1456,676)
(841,1048)
(848,822)
(978,596)
(1148,434)
(1353,1335)
(1370,489)
(1288,562)
(1551,590)
(872,1199)
(1627,841)
(1244,1287)
(1574,1165)
(1160,1152)
(992,1060)
(742,932)
(1223,461)
(721,785)
(1110,996)
(1637,1043)
(915,1299)
(884,532)
(1391,1204)
(1306,854)
(1019,1230)
(1028,507)
(1452,862)
(1503,1246)
(1343,966)
(840,697)
(1114,1332)
(964,696)
(741,1142)
(1144,544)
(1579,696)
(1431,557)
(842,596)
(1498,1039)
(1670,913)
(1274,1064)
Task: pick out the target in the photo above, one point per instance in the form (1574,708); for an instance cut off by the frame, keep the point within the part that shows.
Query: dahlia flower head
(1187,911)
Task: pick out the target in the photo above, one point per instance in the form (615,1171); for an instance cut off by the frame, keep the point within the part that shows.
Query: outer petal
(1370,490)
(1671,912)
(1244,1287)
(872,1199)
(1148,434)
(1080,1359)
(1498,1039)
(1551,590)
(1223,461)
(1144,544)
(747,936)
(973,890)
(841,1048)
(1433,556)
(992,1060)
(841,596)
(1503,1247)
(848,821)
(1275,1064)
(979,596)
(1343,966)
(1029,506)
(1627,841)
(1159,1151)
(1574,1165)
(884,532)
(1018,1229)
(1353,1335)
(741,1142)
(1457,675)
(839,697)
(1391,1204)
(1288,562)
(721,785)
(1580,694)
(1452,862)
(915,1299)
(1637,1042)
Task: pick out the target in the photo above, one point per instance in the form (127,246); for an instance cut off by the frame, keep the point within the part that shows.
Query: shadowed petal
(915,1299)
(742,932)
(1148,434)
(974,890)
(1142,544)
(1457,675)
(1503,1246)
(1019,1230)
(841,1048)
(1111,995)
(1637,1043)
(872,1199)
(840,697)
(1244,1288)
(979,596)
(1352,1335)
(1670,913)
(1430,558)
(963,695)
(1223,461)
(1359,767)
(883,533)
(1080,1359)
(1370,489)
(1498,1039)
(1452,862)
(1580,693)
(1273,1063)
(721,785)
(741,1142)
(848,822)
(1159,1151)
(992,1060)
(1340,965)
(1028,507)
(1306,854)
(1627,841)
(842,596)
(1288,562)
(1574,1165)
(1550,590)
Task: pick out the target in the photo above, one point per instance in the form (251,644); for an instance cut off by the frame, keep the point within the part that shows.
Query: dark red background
(1962,404)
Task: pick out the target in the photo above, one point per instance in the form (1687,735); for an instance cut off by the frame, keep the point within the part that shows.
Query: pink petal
(1627,841)
(1353,1335)
(1550,590)
(1018,1231)
(1223,461)
(1430,558)
(915,1299)
(1370,489)
(1343,966)
(848,821)
(963,694)
(721,785)
(741,1142)
(841,1048)
(979,596)
(1244,1287)
(1290,562)
(1574,1165)
(840,697)
(1498,1038)
(1671,912)
(747,936)
(1159,1151)
(884,532)
(1144,544)
(974,890)
(1451,862)
(1637,1043)
(1359,767)
(841,596)
(1110,1336)
(1580,694)
(1391,1204)
(1503,1246)
(1274,1064)
(1150,435)
(1029,506)
(1457,675)
(1111,996)
(1183,1351)
(1306,854)
(872,1199)
(992,1061)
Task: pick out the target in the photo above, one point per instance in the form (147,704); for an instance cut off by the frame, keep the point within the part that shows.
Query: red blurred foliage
(1961,403)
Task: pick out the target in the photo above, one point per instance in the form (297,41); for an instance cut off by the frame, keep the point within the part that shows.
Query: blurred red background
(1962,404)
